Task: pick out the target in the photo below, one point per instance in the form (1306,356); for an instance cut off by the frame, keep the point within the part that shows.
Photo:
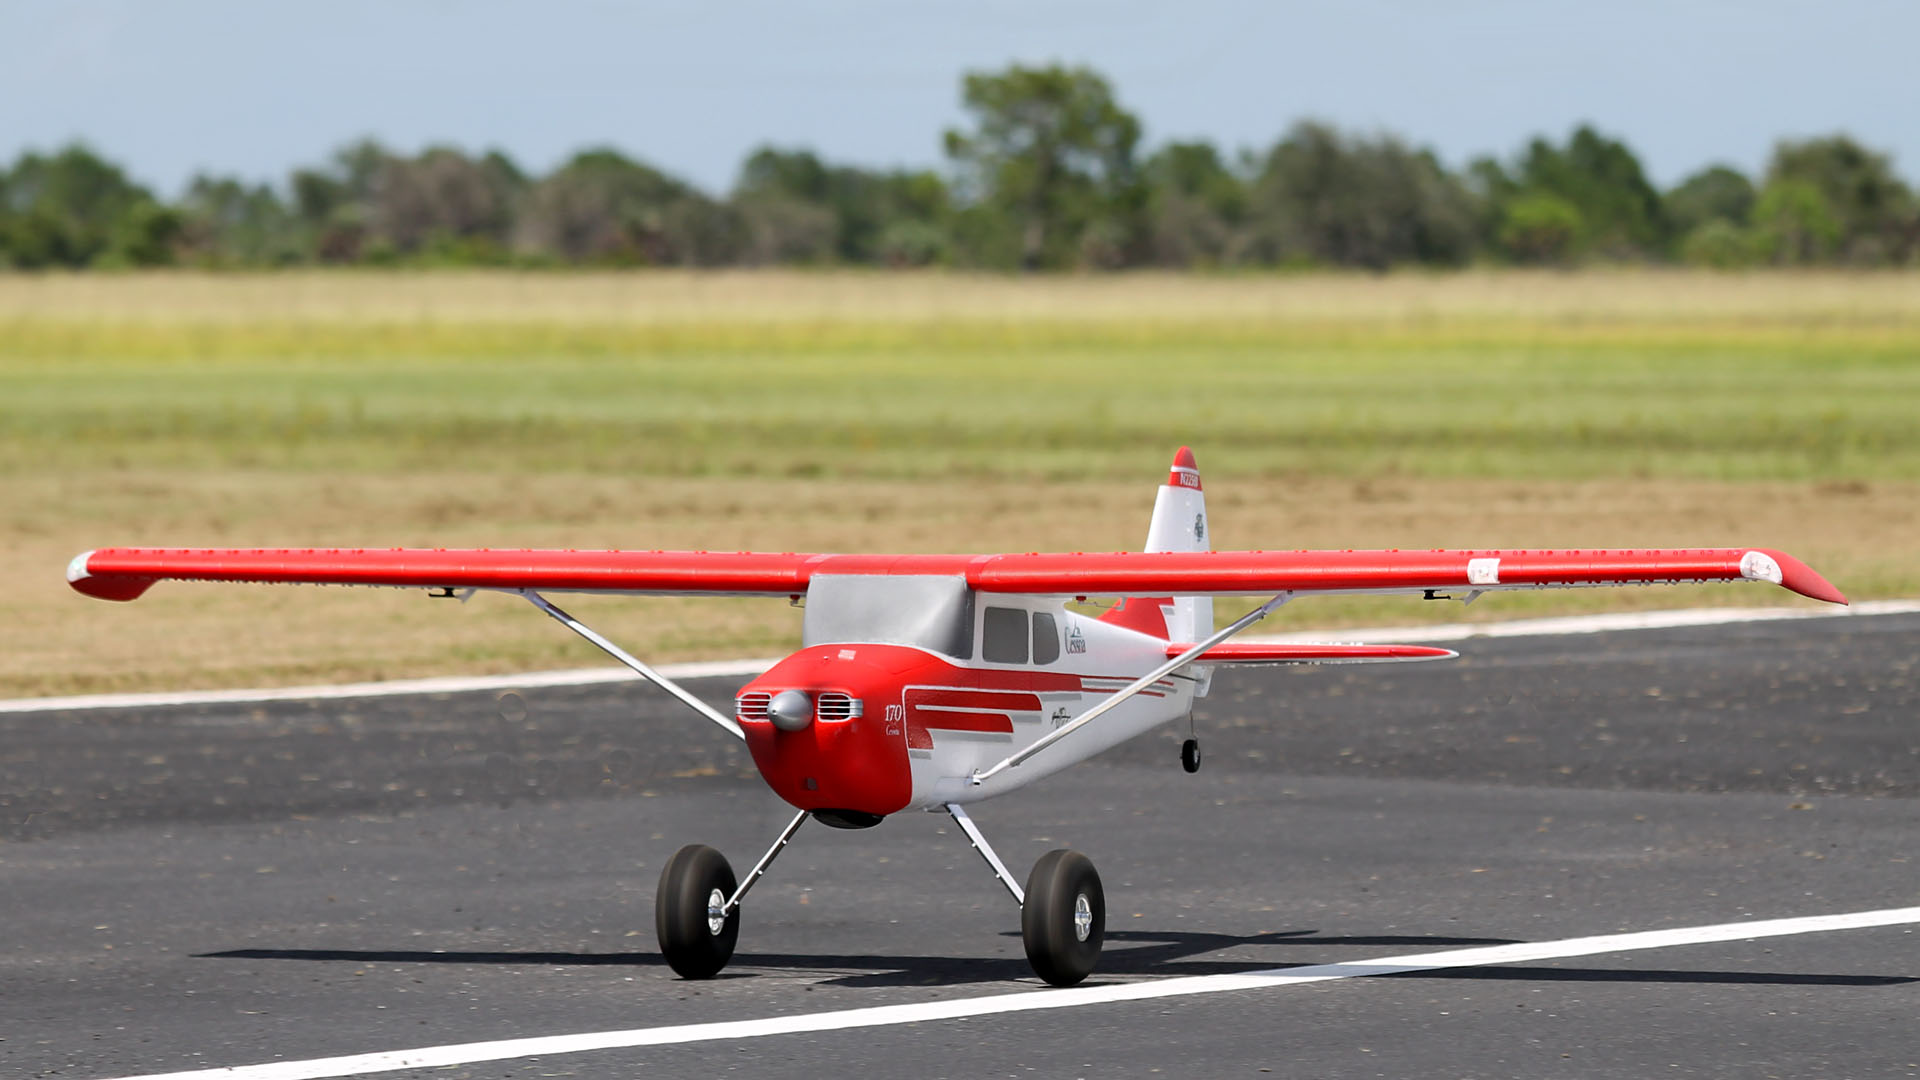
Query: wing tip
(104,587)
(1789,573)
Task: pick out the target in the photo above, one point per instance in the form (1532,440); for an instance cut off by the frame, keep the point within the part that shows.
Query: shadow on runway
(1166,954)
(1170,953)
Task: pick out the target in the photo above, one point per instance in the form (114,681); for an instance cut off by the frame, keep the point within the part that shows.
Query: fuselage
(902,725)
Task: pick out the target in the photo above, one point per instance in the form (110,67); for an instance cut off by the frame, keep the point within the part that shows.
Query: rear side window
(1005,637)
(1046,639)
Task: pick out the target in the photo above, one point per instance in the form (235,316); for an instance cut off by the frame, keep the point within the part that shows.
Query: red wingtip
(1185,473)
(1804,580)
(105,586)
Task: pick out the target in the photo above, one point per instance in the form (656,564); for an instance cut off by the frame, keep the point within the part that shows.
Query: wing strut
(1132,688)
(631,661)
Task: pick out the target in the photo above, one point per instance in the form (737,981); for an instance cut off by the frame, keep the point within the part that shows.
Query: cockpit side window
(1004,636)
(1046,639)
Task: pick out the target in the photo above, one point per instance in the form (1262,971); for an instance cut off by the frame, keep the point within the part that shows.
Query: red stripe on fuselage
(921,723)
(974,699)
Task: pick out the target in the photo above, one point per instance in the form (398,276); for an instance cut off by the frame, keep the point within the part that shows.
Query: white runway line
(746,669)
(434,1057)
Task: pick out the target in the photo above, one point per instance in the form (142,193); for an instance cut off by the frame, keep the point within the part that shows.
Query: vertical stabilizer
(1180,524)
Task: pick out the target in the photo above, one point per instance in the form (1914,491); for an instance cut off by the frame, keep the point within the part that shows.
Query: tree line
(1048,173)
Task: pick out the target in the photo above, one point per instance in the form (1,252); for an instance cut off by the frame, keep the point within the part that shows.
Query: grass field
(920,412)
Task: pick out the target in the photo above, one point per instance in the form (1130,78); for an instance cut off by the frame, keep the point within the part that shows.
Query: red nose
(841,748)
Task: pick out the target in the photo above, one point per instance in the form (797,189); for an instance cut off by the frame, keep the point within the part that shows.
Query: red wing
(1456,573)
(126,573)
(1254,652)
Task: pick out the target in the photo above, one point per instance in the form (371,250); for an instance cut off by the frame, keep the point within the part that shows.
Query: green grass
(1276,400)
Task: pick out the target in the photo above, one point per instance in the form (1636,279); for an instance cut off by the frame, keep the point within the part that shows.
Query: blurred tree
(798,174)
(1196,206)
(335,204)
(604,207)
(1051,151)
(1794,225)
(317,195)
(1492,188)
(914,243)
(1715,193)
(227,222)
(1325,197)
(1720,244)
(1871,212)
(1537,227)
(462,207)
(1620,213)
(1045,177)
(148,234)
(68,208)
(33,240)
(781,191)
(784,229)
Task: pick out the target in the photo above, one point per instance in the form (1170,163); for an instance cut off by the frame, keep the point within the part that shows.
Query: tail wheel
(696,939)
(1190,755)
(1064,918)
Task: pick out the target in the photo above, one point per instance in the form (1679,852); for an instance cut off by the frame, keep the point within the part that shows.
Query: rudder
(1180,524)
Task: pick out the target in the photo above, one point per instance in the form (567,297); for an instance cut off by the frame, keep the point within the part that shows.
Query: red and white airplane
(929,682)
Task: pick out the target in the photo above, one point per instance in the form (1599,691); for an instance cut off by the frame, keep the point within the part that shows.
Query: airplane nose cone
(790,710)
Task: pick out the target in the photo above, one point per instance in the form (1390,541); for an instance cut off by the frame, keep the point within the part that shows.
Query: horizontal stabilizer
(1253,652)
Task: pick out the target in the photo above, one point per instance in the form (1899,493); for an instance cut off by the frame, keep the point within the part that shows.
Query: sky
(258,87)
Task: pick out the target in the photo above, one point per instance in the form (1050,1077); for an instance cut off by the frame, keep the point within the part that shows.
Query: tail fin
(1180,524)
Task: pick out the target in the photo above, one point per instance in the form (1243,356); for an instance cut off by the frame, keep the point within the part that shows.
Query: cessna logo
(1199,526)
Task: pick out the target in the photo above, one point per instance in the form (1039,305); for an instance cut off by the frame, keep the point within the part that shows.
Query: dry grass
(1637,298)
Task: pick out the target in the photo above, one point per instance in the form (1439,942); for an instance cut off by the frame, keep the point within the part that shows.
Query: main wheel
(1064,918)
(1190,755)
(694,937)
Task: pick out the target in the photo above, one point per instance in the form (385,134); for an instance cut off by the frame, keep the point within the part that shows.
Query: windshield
(930,611)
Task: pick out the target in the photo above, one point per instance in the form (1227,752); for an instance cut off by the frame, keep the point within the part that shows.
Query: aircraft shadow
(1157,954)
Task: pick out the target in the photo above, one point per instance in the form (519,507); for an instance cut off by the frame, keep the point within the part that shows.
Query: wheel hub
(717,913)
(1082,917)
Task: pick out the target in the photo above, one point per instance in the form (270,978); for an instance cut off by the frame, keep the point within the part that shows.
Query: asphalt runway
(194,887)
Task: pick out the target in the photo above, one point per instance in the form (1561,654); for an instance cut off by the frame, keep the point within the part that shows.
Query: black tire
(1190,755)
(1063,943)
(681,916)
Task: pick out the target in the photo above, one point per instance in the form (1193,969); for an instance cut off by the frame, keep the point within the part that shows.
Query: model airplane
(930,682)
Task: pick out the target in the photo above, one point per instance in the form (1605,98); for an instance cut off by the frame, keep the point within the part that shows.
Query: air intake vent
(751,707)
(835,706)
